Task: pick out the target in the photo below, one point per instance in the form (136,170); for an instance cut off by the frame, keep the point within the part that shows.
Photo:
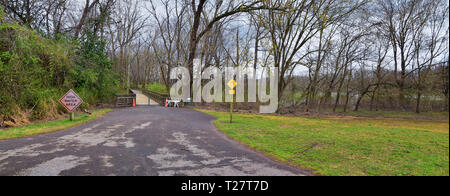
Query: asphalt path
(141,141)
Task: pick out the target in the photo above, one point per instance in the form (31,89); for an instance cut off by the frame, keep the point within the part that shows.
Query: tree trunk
(84,16)
(193,42)
(347,99)
(337,101)
(419,96)
(372,99)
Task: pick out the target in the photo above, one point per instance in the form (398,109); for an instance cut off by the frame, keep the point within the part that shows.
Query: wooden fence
(158,97)
(125,100)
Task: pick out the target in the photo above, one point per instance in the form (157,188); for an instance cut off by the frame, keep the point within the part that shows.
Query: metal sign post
(232,84)
(231,112)
(71,101)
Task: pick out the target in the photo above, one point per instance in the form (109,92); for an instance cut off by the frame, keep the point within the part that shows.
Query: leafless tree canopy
(331,55)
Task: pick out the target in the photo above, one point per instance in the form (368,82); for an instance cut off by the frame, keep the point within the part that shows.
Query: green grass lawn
(123,91)
(52,126)
(346,145)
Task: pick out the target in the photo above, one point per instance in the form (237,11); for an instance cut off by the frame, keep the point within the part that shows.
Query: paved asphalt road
(138,141)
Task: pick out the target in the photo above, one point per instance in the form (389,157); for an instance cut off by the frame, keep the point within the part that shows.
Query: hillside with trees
(37,68)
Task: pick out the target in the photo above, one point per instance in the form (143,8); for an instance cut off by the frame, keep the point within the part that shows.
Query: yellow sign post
(232,84)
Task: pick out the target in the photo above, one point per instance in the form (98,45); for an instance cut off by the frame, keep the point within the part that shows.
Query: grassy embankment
(346,145)
(52,126)
(397,114)
(156,87)
(36,71)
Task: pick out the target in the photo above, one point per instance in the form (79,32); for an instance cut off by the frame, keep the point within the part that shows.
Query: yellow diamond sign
(232,84)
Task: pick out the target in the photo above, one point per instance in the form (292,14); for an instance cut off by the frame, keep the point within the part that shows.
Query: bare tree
(168,47)
(291,30)
(398,18)
(124,29)
(429,44)
(220,10)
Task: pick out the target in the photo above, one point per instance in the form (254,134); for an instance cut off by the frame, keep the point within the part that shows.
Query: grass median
(51,126)
(345,145)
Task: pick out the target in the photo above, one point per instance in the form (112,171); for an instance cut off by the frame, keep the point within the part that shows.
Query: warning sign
(232,84)
(71,101)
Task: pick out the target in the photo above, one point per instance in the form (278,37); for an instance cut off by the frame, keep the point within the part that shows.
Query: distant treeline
(379,54)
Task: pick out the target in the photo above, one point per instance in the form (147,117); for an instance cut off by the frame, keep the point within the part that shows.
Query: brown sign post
(71,101)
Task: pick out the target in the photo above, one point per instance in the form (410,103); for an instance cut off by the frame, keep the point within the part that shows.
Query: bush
(157,87)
